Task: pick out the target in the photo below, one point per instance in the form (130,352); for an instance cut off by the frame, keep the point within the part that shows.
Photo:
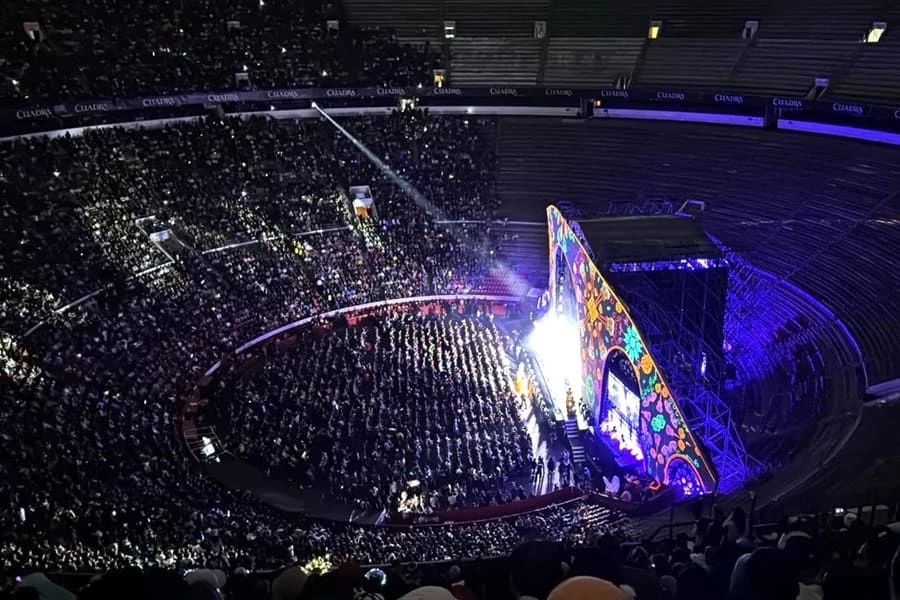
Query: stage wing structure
(605,325)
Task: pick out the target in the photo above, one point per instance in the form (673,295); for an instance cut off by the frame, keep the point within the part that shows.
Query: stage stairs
(576,444)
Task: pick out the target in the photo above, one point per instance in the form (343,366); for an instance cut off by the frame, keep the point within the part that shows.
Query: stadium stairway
(576,444)
(522,245)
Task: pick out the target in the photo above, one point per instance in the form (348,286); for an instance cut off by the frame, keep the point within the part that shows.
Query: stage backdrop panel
(668,445)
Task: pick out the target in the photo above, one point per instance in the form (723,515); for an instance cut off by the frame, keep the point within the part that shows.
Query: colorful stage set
(637,418)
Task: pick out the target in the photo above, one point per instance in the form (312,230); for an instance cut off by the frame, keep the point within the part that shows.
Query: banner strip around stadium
(122,109)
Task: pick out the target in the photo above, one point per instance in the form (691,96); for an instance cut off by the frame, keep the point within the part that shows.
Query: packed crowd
(84,50)
(95,475)
(410,411)
(77,212)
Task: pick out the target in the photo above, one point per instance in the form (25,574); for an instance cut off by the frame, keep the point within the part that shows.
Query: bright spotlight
(314,105)
(556,344)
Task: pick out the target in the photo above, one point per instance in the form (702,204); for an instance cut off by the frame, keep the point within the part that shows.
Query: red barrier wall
(484,513)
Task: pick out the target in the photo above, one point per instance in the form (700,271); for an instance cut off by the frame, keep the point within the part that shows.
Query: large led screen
(621,420)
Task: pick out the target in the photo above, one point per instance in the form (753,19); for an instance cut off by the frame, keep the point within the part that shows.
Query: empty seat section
(590,62)
(790,67)
(683,62)
(846,20)
(492,62)
(599,18)
(415,19)
(507,18)
(875,75)
(701,18)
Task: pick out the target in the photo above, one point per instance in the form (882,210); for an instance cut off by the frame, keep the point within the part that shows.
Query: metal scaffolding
(679,348)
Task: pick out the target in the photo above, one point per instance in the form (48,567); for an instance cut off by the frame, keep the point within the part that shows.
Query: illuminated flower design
(649,383)
(619,307)
(646,364)
(681,433)
(633,346)
(606,337)
(681,445)
(658,423)
(592,308)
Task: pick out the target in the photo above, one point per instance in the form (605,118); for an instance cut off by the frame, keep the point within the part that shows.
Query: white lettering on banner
(443,91)
(272,94)
(342,93)
(787,102)
(504,92)
(557,92)
(390,91)
(670,96)
(614,93)
(728,98)
(215,98)
(34,113)
(162,101)
(95,107)
(853,109)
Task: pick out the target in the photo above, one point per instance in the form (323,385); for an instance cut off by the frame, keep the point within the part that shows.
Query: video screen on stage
(621,416)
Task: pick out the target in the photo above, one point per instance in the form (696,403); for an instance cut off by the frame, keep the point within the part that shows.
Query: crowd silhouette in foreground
(576,552)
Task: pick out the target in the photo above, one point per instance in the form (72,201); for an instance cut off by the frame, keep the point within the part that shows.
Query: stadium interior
(539,300)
